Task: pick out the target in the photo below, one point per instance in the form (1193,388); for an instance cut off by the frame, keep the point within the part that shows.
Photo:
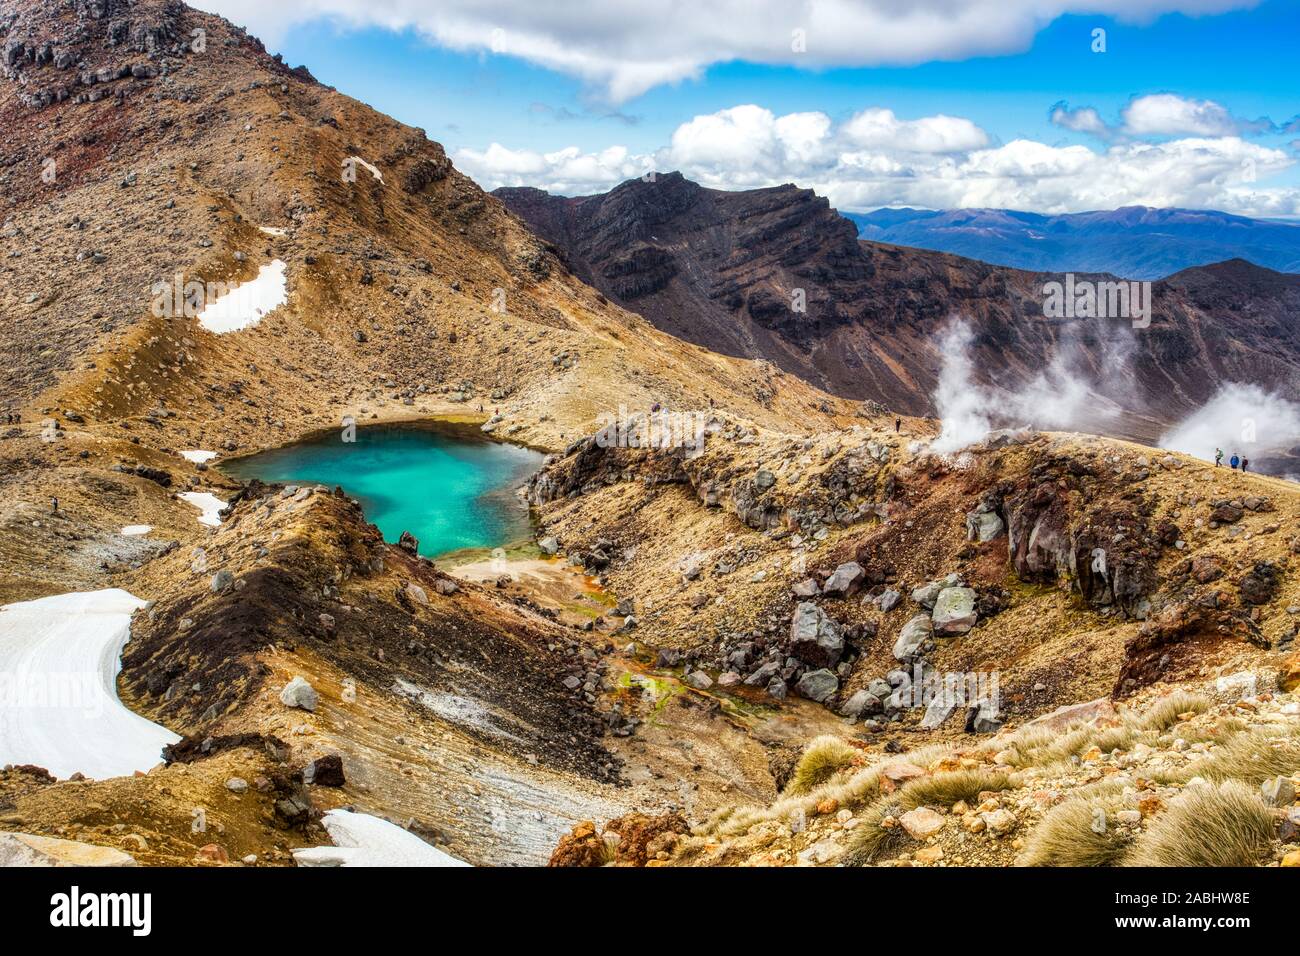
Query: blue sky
(533,106)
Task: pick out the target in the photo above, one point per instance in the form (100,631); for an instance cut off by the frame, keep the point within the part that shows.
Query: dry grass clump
(1214,733)
(945,789)
(870,840)
(1163,714)
(1251,757)
(821,760)
(1068,833)
(1223,825)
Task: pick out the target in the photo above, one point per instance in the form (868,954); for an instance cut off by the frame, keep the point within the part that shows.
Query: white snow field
(135,530)
(59,709)
(246,304)
(363,840)
(198,455)
(206,502)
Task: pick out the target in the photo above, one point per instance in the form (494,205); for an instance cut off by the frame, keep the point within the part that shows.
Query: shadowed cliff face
(730,270)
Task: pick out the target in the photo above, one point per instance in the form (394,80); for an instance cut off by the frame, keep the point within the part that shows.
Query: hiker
(1244,463)
(1234,461)
(898,423)
(1218,457)
(54,506)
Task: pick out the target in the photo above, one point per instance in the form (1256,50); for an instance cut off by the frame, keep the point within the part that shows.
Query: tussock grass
(821,760)
(945,789)
(1215,733)
(1066,835)
(1223,825)
(1251,757)
(871,841)
(1163,714)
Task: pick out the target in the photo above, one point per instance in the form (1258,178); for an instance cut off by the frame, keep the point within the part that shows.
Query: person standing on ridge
(1234,461)
(1218,457)
(1244,463)
(898,423)
(54,506)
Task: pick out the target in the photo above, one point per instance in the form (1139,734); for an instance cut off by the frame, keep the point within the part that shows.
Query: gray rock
(550,546)
(777,688)
(914,633)
(862,701)
(954,611)
(927,594)
(764,479)
(983,526)
(446,586)
(416,593)
(806,588)
(764,674)
(699,680)
(844,580)
(817,685)
(299,693)
(222,580)
(889,600)
(814,637)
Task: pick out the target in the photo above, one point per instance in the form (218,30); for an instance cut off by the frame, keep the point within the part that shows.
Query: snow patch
(245,305)
(363,840)
(59,709)
(198,456)
(206,502)
(272,230)
(135,530)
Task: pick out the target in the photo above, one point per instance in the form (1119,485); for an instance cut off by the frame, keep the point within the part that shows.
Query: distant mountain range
(1136,242)
(721,269)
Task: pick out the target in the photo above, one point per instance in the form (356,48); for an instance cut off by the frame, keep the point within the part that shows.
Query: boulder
(888,600)
(222,580)
(914,633)
(983,526)
(699,680)
(954,611)
(806,588)
(549,546)
(817,685)
(844,580)
(861,701)
(814,637)
(299,693)
(764,675)
(408,543)
(927,594)
(1069,714)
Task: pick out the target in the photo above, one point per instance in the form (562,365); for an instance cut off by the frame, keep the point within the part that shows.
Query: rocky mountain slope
(145,141)
(731,271)
(931,603)
(1136,242)
(308,665)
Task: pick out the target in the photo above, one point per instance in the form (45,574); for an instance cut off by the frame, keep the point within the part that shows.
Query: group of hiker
(1234,461)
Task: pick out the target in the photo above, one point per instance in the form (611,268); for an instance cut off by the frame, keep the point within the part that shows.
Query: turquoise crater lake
(448,487)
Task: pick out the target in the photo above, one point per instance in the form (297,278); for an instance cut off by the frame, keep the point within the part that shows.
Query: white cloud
(1160,114)
(625,48)
(1164,114)
(876,159)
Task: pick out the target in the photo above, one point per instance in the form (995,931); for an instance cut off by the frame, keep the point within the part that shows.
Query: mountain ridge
(1118,241)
